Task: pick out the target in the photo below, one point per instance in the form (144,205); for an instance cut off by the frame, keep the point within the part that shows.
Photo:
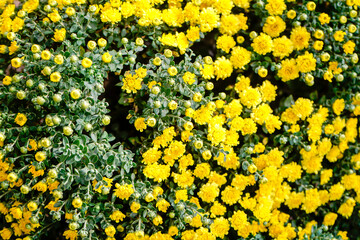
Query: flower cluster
(246,115)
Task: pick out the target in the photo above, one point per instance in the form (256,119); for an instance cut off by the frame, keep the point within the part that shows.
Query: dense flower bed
(246,112)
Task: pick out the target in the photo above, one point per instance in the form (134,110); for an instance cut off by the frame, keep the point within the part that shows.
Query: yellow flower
(283,47)
(289,70)
(117,216)
(162,205)
(208,192)
(239,220)
(311,6)
(3,49)
(262,44)
(134,207)
(140,124)
(40,186)
(110,231)
(157,220)
(220,227)
(338,106)
(110,14)
(346,209)
(343,235)
(222,68)
(75,93)
(300,38)
(172,105)
(59,35)
(106,57)
(86,62)
(54,16)
(131,83)
(40,156)
(240,57)
(123,191)
(102,42)
(202,170)
(55,77)
(262,72)
(339,35)
(173,231)
(274,26)
(349,47)
(208,19)
(328,76)
(32,206)
(7,80)
(6,233)
(70,234)
(13,48)
(217,209)
(306,62)
(77,202)
(291,14)
(16,62)
(59,59)
(324,18)
(172,71)
(45,55)
(311,201)
(336,191)
(275,7)
(225,43)
(20,119)
(318,45)
(70,11)
(230,195)
(189,78)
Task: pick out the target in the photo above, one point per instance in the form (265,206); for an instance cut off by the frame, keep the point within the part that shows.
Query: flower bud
(102,42)
(151,122)
(222,95)
(12,177)
(353,13)
(24,189)
(253,34)
(40,100)
(343,19)
(74,58)
(197,97)
(92,8)
(10,36)
(67,130)
(208,60)
(46,71)
(35,48)
(75,94)
(198,144)
(209,86)
(57,98)
(47,8)
(139,41)
(172,105)
(84,104)
(88,127)
(168,53)
(155,90)
(91,45)
(106,120)
(20,95)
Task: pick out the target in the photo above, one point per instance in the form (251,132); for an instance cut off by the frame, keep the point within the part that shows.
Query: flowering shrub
(246,112)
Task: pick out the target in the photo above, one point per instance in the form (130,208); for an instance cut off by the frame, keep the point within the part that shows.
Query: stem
(5,193)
